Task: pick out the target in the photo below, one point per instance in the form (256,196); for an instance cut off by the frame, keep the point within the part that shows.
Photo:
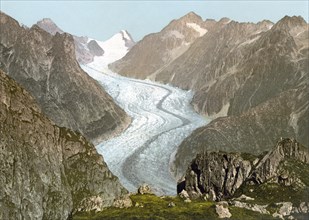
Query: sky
(101,19)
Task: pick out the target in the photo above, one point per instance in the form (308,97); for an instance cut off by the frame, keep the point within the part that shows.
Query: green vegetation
(269,193)
(153,207)
(299,169)
(158,208)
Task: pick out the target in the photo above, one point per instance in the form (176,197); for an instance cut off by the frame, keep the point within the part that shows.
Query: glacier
(162,118)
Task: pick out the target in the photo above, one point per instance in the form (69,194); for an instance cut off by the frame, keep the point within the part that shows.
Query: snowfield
(161,118)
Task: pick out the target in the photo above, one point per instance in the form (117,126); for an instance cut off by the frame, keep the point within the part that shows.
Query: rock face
(157,50)
(46,66)
(270,167)
(95,49)
(217,175)
(47,172)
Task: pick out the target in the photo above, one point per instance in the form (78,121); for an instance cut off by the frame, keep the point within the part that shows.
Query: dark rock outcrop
(46,66)
(218,175)
(47,172)
(95,49)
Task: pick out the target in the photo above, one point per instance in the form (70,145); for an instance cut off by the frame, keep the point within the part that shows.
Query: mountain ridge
(46,65)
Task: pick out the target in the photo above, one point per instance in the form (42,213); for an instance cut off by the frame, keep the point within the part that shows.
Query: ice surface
(161,118)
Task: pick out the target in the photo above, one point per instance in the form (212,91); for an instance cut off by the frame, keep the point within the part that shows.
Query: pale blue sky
(101,19)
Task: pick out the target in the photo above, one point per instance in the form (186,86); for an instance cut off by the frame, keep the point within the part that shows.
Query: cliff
(47,172)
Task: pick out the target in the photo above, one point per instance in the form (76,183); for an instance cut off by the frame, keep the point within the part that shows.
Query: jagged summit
(265,24)
(289,22)
(224,20)
(126,35)
(128,39)
(166,45)
(49,25)
(191,16)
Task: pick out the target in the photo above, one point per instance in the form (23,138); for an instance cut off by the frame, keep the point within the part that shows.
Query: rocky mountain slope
(47,172)
(157,50)
(280,176)
(85,49)
(46,66)
(265,96)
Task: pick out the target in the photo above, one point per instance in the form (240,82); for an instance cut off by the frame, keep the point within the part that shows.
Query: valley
(203,119)
(161,118)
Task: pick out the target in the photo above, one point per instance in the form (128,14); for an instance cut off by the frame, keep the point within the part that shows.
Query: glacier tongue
(161,118)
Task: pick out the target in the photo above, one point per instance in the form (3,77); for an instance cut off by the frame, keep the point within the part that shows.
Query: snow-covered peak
(114,48)
(197,28)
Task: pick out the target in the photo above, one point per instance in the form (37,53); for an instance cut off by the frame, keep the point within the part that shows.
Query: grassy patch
(157,208)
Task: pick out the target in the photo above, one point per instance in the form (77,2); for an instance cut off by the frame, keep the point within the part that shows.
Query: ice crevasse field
(161,118)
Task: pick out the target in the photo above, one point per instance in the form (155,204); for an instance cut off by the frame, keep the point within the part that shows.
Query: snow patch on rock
(197,28)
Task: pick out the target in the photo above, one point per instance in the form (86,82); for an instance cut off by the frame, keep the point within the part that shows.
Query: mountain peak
(290,22)
(46,20)
(49,26)
(225,20)
(191,16)
(126,36)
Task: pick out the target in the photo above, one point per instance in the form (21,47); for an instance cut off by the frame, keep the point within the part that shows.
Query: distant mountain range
(255,76)
(87,49)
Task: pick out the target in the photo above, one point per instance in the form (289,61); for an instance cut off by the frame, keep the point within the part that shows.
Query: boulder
(222,210)
(123,202)
(253,207)
(171,204)
(216,174)
(144,189)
